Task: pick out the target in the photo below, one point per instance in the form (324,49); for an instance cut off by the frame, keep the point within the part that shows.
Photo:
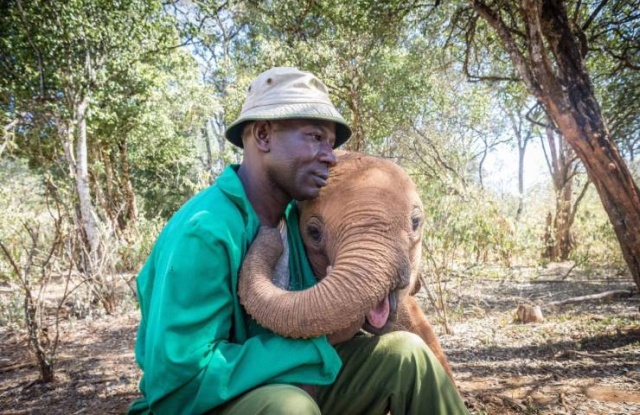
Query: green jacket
(196,346)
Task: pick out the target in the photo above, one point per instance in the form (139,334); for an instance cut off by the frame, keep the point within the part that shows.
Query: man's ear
(261,132)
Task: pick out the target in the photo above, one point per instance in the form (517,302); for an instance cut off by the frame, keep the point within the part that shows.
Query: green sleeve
(190,365)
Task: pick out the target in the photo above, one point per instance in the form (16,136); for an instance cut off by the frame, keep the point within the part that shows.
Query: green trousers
(395,373)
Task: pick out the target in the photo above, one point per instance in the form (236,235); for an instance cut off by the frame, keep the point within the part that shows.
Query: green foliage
(131,256)
(463,230)
(162,136)
(598,247)
(22,198)
(56,52)
(145,97)
(22,201)
(375,79)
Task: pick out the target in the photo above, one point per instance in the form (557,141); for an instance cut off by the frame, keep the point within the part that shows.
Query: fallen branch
(17,366)
(608,295)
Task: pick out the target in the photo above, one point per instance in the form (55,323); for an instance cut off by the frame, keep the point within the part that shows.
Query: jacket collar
(229,183)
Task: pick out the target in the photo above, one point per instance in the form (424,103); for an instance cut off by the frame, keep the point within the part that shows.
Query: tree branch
(593,15)
(494,20)
(576,204)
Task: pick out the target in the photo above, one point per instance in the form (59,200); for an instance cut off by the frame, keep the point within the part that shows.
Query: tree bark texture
(550,63)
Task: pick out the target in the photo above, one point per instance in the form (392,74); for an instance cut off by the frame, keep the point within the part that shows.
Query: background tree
(100,94)
(217,34)
(547,48)
(60,56)
(514,103)
(563,167)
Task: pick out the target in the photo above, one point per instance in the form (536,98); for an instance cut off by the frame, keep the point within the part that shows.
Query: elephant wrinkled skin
(363,236)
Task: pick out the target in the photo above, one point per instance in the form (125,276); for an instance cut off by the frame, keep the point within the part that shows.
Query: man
(197,348)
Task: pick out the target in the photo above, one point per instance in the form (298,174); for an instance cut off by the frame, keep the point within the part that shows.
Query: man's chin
(308,195)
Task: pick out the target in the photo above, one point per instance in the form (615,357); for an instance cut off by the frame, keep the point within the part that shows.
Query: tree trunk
(111,198)
(208,160)
(551,66)
(522,148)
(562,167)
(356,142)
(130,208)
(66,133)
(577,114)
(562,223)
(523,137)
(550,246)
(36,332)
(215,142)
(87,212)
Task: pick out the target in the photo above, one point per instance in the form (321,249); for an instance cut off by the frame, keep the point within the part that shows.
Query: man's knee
(403,345)
(408,351)
(288,400)
(271,400)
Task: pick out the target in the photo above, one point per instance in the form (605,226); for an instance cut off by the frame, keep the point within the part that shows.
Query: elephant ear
(417,285)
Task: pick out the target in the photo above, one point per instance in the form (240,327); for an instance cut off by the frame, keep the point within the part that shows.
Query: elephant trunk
(357,283)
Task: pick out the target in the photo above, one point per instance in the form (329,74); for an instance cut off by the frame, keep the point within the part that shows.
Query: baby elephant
(363,237)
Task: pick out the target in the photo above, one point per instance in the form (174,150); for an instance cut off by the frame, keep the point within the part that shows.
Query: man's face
(300,156)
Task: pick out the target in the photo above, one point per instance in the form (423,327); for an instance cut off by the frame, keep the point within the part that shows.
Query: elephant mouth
(383,313)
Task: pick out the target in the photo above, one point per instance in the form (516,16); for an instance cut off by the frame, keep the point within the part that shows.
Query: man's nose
(327,156)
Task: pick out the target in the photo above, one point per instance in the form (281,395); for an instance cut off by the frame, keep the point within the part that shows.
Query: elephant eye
(415,223)
(314,230)
(416,218)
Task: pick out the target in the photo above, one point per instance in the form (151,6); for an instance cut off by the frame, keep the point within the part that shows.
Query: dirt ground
(583,359)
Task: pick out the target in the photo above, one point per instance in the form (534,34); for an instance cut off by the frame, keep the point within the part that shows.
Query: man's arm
(190,364)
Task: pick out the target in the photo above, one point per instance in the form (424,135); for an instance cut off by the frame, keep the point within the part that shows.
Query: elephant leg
(411,318)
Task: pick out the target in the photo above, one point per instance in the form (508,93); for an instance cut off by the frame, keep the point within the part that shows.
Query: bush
(132,253)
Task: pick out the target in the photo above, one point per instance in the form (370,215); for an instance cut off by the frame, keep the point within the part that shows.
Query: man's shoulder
(220,211)
(224,196)
(211,207)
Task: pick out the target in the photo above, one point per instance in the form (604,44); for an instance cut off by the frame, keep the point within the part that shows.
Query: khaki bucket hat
(286,93)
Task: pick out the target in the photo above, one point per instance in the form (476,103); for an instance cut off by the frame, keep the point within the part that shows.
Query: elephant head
(363,238)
